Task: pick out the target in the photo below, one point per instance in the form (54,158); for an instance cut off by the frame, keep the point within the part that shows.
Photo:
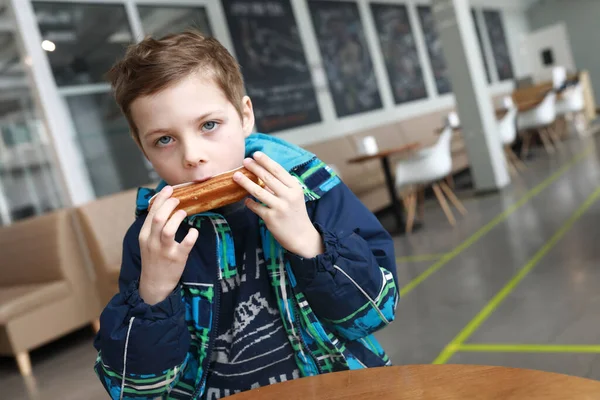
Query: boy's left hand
(284,210)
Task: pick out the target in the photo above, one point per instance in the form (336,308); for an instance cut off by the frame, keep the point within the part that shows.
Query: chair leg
(516,160)
(546,141)
(421,202)
(453,199)
(554,136)
(526,145)
(24,363)
(444,204)
(412,206)
(509,164)
(565,127)
(450,181)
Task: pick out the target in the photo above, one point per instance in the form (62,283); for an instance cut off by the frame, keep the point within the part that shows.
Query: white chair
(571,104)
(559,77)
(539,120)
(507,130)
(429,167)
(453,120)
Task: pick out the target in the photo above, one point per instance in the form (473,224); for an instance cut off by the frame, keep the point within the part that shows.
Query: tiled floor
(556,303)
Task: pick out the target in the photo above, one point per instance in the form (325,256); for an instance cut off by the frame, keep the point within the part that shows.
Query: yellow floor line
(529,348)
(419,258)
(491,306)
(490,225)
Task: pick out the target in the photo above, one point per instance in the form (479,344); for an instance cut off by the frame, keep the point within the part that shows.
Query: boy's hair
(152,65)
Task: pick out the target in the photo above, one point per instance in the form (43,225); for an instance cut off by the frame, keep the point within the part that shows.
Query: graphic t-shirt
(252,348)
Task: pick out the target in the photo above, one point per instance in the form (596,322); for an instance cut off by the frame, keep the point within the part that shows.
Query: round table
(432,382)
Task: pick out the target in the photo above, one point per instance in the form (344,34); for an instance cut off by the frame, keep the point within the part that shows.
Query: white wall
(554,38)
(581,19)
(516,27)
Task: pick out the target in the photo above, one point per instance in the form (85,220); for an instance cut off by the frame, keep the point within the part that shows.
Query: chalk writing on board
(277,77)
(399,52)
(346,57)
(435,50)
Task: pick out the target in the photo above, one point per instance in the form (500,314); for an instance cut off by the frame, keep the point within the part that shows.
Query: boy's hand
(284,212)
(163,259)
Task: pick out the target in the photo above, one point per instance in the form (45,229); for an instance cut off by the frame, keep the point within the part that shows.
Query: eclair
(218,191)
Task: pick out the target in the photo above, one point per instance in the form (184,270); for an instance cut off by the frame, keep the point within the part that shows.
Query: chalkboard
(495,28)
(268,47)
(345,57)
(481,48)
(435,50)
(399,52)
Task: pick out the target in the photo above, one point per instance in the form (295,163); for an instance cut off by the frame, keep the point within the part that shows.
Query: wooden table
(383,157)
(431,382)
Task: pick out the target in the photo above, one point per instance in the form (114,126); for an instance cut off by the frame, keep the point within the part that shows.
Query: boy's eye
(210,126)
(164,140)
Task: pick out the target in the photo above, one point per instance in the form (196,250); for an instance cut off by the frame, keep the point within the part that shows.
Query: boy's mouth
(202,179)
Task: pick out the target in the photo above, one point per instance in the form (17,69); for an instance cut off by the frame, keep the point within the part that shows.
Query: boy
(289,283)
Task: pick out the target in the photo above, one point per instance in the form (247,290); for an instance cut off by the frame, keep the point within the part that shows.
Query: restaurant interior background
(94,155)
(318,72)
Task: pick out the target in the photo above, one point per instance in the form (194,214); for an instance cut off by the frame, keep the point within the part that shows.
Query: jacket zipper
(297,167)
(296,314)
(214,330)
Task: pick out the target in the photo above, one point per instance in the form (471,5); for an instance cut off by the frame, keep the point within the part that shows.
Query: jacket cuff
(306,269)
(166,309)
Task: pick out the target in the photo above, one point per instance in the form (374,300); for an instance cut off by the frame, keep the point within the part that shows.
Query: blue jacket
(330,305)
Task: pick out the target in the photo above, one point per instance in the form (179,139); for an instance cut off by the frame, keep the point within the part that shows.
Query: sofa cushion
(337,152)
(18,300)
(105,222)
(30,250)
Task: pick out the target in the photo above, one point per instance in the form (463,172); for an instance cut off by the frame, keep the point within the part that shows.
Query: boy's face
(190,131)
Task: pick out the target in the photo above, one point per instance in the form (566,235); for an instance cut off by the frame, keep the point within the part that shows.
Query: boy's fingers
(275,169)
(189,240)
(277,187)
(257,208)
(255,190)
(170,229)
(158,201)
(162,215)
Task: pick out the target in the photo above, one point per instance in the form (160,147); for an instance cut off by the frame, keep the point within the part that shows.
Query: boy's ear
(247,116)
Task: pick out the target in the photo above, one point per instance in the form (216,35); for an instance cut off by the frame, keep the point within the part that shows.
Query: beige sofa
(45,288)
(104,223)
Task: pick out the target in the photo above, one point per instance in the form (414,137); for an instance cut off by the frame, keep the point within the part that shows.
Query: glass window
(113,160)
(481,47)
(160,21)
(10,61)
(82,40)
(28,173)
(500,50)
(345,57)
(435,50)
(399,51)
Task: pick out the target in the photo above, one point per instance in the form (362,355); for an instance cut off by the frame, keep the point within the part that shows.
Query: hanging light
(48,45)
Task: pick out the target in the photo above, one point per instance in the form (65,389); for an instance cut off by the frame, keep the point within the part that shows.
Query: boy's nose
(193,157)
(193,161)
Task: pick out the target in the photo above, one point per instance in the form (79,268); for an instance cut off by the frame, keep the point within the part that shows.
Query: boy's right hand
(163,258)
